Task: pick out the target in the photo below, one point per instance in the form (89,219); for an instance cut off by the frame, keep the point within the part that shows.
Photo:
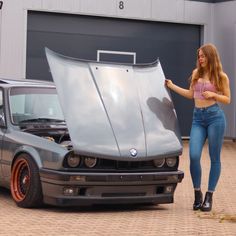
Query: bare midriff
(203,102)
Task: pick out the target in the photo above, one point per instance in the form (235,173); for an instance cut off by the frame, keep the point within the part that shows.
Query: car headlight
(73,160)
(90,161)
(159,162)
(171,161)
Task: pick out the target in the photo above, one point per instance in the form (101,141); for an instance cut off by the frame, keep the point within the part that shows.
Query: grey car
(102,134)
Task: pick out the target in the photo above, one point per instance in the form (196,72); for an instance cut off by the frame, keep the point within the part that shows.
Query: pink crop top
(201,87)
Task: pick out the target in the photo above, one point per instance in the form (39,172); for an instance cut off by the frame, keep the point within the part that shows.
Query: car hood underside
(115,110)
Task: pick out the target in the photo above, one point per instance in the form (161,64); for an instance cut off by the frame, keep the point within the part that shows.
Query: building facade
(170,30)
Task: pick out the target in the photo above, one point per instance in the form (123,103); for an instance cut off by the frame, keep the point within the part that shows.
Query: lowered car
(102,133)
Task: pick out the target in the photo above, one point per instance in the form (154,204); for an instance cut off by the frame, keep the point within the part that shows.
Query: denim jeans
(208,123)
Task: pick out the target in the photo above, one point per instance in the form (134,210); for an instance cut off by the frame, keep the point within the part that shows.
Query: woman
(209,86)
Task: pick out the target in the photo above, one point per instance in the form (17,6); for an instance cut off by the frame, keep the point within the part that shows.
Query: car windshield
(28,104)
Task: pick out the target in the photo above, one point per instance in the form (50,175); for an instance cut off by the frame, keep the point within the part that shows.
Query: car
(101,133)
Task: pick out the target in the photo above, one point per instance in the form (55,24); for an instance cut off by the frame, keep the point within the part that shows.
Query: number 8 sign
(121,5)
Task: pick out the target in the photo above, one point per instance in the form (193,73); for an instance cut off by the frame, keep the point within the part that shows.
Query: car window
(34,103)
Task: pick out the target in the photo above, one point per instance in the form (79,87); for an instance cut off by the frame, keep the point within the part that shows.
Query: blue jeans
(208,123)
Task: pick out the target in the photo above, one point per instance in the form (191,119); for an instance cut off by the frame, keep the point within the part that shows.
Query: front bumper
(76,189)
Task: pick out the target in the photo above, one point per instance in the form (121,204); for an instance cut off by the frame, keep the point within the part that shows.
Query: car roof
(24,82)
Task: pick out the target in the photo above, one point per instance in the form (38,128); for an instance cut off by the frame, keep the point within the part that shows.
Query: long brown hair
(214,66)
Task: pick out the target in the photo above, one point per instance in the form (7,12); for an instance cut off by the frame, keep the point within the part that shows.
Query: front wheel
(26,187)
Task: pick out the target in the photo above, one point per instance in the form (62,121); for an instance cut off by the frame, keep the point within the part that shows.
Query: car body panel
(34,145)
(115,108)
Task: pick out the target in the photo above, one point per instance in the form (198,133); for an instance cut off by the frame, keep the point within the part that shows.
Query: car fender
(30,151)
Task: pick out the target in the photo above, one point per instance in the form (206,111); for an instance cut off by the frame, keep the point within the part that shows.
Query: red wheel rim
(20,179)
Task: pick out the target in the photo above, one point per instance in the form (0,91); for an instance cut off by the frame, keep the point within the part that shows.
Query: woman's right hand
(168,83)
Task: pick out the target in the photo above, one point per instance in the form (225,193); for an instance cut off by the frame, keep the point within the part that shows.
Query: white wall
(13,39)
(0,32)
(224,36)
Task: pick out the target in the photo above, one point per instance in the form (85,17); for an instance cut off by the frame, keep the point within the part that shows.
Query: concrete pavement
(172,219)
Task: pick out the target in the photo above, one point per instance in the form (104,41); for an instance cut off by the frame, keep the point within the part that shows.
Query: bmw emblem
(133,152)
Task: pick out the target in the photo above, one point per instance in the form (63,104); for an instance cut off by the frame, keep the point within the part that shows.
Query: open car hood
(116,111)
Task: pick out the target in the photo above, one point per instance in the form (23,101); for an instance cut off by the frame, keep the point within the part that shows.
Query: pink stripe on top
(201,87)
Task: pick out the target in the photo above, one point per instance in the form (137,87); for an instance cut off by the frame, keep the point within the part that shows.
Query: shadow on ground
(6,194)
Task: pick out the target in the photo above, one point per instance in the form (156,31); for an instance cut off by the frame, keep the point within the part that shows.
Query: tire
(26,187)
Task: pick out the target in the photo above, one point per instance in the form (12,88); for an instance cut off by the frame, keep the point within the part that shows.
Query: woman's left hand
(208,95)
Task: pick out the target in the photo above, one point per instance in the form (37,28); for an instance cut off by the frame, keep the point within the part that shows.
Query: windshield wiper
(42,120)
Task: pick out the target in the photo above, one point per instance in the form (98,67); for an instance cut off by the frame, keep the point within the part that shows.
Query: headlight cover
(73,160)
(171,161)
(90,161)
(159,162)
